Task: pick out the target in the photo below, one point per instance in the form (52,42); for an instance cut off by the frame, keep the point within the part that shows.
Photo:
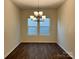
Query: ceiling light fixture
(38,14)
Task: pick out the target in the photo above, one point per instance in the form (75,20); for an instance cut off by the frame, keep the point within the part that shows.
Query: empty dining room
(39,29)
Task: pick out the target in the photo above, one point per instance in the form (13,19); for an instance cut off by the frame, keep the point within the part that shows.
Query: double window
(39,28)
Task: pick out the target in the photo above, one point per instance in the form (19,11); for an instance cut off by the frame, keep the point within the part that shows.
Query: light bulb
(43,17)
(31,17)
(34,18)
(35,13)
(40,13)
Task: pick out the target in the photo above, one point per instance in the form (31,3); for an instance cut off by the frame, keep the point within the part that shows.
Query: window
(32,27)
(44,27)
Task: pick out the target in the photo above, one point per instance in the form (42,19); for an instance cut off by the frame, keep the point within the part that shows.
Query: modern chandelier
(38,15)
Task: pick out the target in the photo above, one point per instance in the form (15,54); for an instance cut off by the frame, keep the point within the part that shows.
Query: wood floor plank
(38,51)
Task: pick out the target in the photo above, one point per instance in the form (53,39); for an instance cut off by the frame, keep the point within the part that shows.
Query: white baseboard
(69,53)
(10,51)
(38,42)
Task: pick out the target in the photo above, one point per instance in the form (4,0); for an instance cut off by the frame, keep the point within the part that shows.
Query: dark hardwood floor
(38,51)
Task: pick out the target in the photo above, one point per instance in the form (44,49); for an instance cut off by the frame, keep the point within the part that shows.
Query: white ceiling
(25,4)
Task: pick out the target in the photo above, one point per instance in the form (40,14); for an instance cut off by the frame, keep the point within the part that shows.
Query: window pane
(44,27)
(32,27)
(32,30)
(46,22)
(44,30)
(31,22)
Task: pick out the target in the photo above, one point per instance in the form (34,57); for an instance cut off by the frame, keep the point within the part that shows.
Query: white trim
(10,51)
(69,53)
(38,42)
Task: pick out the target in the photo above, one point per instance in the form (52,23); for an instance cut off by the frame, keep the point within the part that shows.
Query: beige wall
(52,38)
(66,27)
(11,28)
